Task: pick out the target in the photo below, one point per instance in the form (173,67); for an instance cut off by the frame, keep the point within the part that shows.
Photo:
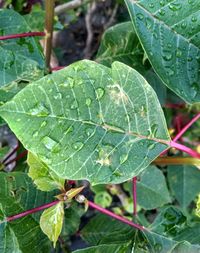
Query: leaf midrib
(105,126)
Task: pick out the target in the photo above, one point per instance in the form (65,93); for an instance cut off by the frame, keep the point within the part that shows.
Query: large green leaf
(17,194)
(169,33)
(184,182)
(20,59)
(90,122)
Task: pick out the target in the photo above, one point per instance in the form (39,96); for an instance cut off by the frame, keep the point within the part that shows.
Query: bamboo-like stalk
(49,7)
(174,160)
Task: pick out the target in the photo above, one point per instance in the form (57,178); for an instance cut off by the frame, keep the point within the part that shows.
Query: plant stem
(57,68)
(134,190)
(185,149)
(174,160)
(21,35)
(70,5)
(115,216)
(49,7)
(31,211)
(186,127)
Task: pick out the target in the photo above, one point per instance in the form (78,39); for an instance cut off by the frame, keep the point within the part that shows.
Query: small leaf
(51,221)
(169,33)
(43,177)
(96,123)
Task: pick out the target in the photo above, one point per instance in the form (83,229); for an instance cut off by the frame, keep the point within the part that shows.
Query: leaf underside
(169,33)
(90,122)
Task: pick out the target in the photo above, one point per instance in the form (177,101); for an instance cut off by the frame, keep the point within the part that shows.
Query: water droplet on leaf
(99,92)
(78,145)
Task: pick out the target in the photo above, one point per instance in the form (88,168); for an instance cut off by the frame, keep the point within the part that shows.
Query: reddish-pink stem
(21,35)
(134,190)
(187,127)
(115,216)
(185,149)
(174,106)
(31,211)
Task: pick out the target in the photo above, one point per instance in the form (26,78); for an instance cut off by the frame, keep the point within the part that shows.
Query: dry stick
(21,35)
(11,153)
(16,158)
(70,5)
(134,191)
(49,7)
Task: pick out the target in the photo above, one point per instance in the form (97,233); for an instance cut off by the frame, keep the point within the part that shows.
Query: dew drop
(195,88)
(151,146)
(49,143)
(43,124)
(89,131)
(58,95)
(35,134)
(170,72)
(151,5)
(99,92)
(78,145)
(167,56)
(194,19)
(183,25)
(149,23)
(162,3)
(154,129)
(161,12)
(74,105)
(175,6)
(39,110)
(178,53)
(123,158)
(88,101)
(140,16)
(69,130)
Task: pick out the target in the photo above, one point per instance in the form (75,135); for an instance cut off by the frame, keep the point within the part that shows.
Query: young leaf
(20,59)
(184,182)
(51,221)
(90,122)
(43,177)
(169,33)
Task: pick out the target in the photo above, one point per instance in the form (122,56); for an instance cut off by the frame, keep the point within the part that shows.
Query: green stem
(49,7)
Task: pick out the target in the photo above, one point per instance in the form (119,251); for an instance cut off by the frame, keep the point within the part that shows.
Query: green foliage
(51,221)
(106,132)
(45,179)
(169,33)
(184,182)
(18,194)
(21,59)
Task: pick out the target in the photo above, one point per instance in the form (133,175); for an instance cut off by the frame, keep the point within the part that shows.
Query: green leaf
(152,190)
(51,221)
(184,182)
(198,206)
(90,122)
(20,59)
(112,248)
(103,199)
(43,177)
(169,33)
(17,194)
(120,43)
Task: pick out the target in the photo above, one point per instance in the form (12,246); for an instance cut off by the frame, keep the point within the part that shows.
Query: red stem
(186,127)
(21,35)
(134,190)
(174,106)
(17,158)
(57,68)
(115,216)
(31,211)
(185,149)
